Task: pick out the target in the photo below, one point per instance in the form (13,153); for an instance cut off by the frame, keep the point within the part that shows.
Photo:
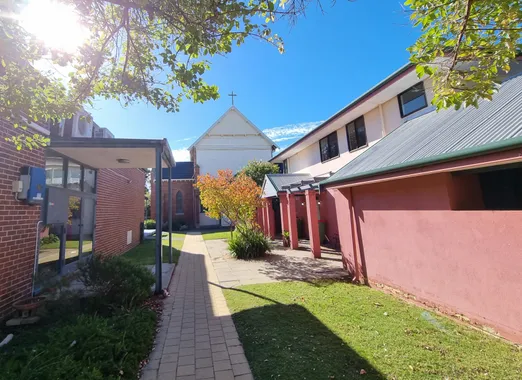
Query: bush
(49,239)
(248,244)
(117,281)
(88,347)
(177,225)
(149,224)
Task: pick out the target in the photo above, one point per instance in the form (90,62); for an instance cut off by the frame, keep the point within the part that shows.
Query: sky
(331,58)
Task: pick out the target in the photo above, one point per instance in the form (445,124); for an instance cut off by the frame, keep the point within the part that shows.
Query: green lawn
(333,330)
(70,244)
(144,253)
(214,235)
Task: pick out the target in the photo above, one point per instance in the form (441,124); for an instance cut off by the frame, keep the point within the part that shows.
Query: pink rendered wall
(328,212)
(465,261)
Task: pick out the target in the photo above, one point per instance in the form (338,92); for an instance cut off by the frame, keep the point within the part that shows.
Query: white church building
(230,143)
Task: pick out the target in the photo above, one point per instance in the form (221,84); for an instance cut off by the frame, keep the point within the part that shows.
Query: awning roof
(99,153)
(292,183)
(443,136)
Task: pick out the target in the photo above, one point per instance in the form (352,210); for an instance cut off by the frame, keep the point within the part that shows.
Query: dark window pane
(360,131)
(179,203)
(323,143)
(413,99)
(356,132)
(332,145)
(285,166)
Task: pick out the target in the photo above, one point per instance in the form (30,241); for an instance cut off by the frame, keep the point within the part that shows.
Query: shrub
(117,281)
(52,238)
(149,224)
(248,243)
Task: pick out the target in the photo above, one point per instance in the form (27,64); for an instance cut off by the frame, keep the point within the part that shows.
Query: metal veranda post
(159,219)
(170,214)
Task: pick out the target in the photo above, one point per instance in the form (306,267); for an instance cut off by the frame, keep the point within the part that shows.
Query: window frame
(403,115)
(328,142)
(355,131)
(285,166)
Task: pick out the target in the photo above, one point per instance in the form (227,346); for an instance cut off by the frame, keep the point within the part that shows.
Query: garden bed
(105,336)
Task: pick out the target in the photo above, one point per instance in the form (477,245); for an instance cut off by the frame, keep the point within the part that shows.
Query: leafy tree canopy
(464,45)
(257,169)
(235,197)
(157,51)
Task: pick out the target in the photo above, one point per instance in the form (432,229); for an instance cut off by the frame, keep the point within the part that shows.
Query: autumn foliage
(234,197)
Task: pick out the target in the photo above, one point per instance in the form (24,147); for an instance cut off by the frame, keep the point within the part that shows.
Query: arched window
(179,203)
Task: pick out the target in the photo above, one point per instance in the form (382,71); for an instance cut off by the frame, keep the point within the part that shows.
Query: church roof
(182,170)
(234,109)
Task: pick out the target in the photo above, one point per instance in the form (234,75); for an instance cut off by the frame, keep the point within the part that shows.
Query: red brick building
(18,222)
(184,208)
(106,207)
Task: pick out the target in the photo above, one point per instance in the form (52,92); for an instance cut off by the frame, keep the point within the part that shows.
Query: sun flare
(56,24)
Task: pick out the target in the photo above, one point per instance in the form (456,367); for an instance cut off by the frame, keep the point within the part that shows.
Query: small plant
(248,243)
(286,239)
(52,238)
(117,281)
(149,224)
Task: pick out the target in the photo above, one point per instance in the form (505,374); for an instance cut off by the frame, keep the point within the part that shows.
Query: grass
(215,235)
(69,244)
(333,330)
(144,254)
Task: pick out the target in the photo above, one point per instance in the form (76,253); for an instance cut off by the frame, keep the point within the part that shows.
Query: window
(74,176)
(285,166)
(356,132)
(179,203)
(54,171)
(89,180)
(412,100)
(328,147)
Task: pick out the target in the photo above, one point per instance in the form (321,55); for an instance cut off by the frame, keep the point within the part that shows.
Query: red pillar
(292,221)
(283,202)
(313,222)
(271,218)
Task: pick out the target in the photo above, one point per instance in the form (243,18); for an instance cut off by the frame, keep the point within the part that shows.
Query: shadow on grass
(296,345)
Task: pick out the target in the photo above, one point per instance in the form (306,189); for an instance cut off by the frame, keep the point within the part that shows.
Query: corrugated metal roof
(444,135)
(280,180)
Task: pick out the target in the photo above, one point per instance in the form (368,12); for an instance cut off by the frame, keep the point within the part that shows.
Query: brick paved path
(197,338)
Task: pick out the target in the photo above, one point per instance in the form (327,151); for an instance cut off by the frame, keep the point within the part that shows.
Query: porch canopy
(107,153)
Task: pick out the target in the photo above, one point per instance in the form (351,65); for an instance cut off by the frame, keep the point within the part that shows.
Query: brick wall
(17,223)
(186,187)
(120,208)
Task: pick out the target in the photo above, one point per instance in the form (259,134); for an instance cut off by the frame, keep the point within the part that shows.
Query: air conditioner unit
(82,125)
(103,133)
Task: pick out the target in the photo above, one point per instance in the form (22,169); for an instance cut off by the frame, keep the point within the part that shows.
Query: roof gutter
(368,94)
(465,153)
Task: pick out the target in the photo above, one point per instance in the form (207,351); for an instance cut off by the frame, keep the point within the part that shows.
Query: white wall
(210,161)
(308,160)
(230,144)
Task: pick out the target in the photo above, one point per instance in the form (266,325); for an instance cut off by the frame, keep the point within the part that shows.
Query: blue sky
(330,59)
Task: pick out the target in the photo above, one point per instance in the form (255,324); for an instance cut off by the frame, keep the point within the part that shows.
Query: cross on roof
(232,95)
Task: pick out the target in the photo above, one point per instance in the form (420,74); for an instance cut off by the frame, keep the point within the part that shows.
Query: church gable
(235,129)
